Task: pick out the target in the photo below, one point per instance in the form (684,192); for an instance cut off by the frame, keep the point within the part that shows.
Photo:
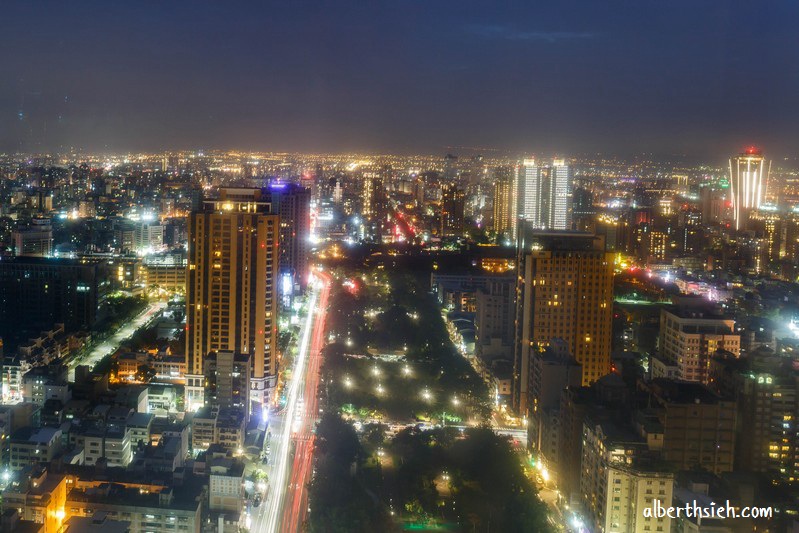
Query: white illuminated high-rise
(748,181)
(544,194)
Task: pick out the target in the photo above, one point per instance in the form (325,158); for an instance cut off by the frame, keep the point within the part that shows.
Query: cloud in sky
(512,34)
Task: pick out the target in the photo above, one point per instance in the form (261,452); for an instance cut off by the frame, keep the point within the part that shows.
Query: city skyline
(165,291)
(399,266)
(399,76)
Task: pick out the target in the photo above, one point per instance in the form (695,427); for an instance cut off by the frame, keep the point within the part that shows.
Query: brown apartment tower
(231,299)
(564,290)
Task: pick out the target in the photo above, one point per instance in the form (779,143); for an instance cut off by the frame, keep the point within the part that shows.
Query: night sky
(696,77)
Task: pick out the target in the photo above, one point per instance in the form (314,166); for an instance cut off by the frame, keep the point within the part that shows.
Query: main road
(296,507)
(286,503)
(109,345)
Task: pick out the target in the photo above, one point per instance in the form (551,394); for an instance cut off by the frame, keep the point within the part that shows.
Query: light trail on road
(302,467)
(271,518)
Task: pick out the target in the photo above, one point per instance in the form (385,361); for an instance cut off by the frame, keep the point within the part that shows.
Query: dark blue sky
(697,77)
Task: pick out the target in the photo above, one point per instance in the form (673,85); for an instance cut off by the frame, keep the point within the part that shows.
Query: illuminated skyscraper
(231,300)
(505,201)
(293,203)
(544,194)
(371,185)
(374,201)
(564,291)
(748,181)
(452,208)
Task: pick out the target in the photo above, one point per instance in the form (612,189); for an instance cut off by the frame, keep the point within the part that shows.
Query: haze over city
(400,76)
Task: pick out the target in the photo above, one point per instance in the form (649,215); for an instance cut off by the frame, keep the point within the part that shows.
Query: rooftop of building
(132,356)
(140,420)
(184,497)
(612,429)
(204,413)
(35,481)
(557,353)
(649,465)
(167,448)
(284,187)
(99,523)
(559,240)
(230,417)
(119,412)
(10,522)
(130,392)
(671,391)
(32,435)
(227,466)
(694,306)
(229,517)
(100,473)
(55,370)
(611,380)
(239,200)
(581,395)
(160,390)
(99,429)
(215,450)
(101,410)
(760,361)
(162,425)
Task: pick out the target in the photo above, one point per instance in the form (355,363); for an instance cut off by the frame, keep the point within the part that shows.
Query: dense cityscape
(386,266)
(231,341)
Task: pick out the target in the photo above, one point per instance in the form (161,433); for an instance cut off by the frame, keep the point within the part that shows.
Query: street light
(348,382)
(455,401)
(426,394)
